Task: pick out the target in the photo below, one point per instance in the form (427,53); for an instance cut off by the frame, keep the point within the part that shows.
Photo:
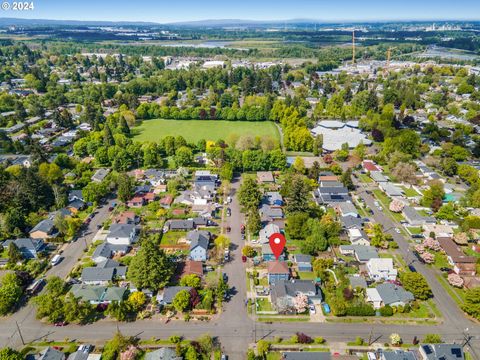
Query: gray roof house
(347,209)
(388,294)
(97,276)
(100,175)
(199,240)
(378,177)
(304,262)
(106,251)
(283,293)
(397,355)
(43,230)
(162,354)
(270,213)
(28,247)
(78,355)
(349,222)
(358,282)
(169,294)
(332,195)
(267,231)
(414,218)
(98,294)
(362,253)
(441,352)
(181,225)
(121,234)
(51,354)
(391,190)
(75,195)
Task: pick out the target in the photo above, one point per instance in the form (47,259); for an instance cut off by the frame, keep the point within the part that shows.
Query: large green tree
(416,284)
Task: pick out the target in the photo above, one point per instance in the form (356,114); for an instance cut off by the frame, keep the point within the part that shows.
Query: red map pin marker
(277,244)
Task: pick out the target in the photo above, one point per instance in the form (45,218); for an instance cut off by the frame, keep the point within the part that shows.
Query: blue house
(199,240)
(28,247)
(277,270)
(267,254)
(304,262)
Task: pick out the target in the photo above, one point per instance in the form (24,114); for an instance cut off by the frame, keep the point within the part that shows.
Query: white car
(380,208)
(312,309)
(397,230)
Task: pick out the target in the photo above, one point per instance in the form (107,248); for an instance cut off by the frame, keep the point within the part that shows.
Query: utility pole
(20,333)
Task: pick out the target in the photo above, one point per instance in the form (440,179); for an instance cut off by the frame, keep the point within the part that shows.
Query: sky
(164,11)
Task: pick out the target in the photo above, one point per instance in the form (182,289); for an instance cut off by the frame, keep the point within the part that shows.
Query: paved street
(233,327)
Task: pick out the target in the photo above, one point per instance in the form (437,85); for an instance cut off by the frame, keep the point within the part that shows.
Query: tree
(181,301)
(404,172)
(116,345)
(416,284)
(76,310)
(14,254)
(226,172)
(432,339)
(183,156)
(300,303)
(191,280)
(296,225)
(254,223)
(346,179)
(150,268)
(125,185)
(472,302)
(10,354)
(137,300)
(263,347)
(297,194)
(299,165)
(10,293)
(433,196)
(249,195)
(49,303)
(455,280)
(120,310)
(248,251)
(222,243)
(395,339)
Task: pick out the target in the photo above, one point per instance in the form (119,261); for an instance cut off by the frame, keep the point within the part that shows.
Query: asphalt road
(233,328)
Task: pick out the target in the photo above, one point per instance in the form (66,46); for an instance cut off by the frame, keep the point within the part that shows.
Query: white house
(358,237)
(381,269)
(121,234)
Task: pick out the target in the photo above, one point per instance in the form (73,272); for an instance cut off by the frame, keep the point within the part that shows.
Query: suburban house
(266,232)
(378,177)
(441,352)
(440,230)
(358,237)
(98,294)
(169,294)
(270,213)
(76,205)
(163,353)
(332,194)
(370,166)
(166,201)
(388,294)
(346,209)
(205,182)
(28,247)
(462,264)
(277,270)
(273,198)
(360,252)
(304,262)
(75,195)
(136,202)
(381,269)
(126,217)
(199,240)
(357,281)
(265,177)
(394,355)
(43,230)
(100,175)
(192,267)
(414,218)
(105,272)
(106,251)
(283,293)
(51,354)
(349,222)
(267,254)
(121,234)
(391,190)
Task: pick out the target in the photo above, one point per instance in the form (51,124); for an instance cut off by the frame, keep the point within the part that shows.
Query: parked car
(242,229)
(225,277)
(55,260)
(229,212)
(445,269)
(312,309)
(228,229)
(244,258)
(397,230)
(60,323)
(412,268)
(326,308)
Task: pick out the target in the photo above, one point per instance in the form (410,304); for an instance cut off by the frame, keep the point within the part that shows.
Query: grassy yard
(409,192)
(385,202)
(172,237)
(263,305)
(306,275)
(441,260)
(365,178)
(458,295)
(195,130)
(414,230)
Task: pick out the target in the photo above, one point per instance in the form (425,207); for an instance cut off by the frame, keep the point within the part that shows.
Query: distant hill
(48,22)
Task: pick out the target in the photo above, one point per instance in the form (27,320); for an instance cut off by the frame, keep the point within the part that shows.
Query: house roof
(90,274)
(392,190)
(114,293)
(25,243)
(369,165)
(121,230)
(413,215)
(454,251)
(271,212)
(378,176)
(347,207)
(51,354)
(193,267)
(78,355)
(125,217)
(398,355)
(162,354)
(277,267)
(181,224)
(351,222)
(170,292)
(105,250)
(391,293)
(45,226)
(442,351)
(265,176)
(199,238)
(301,258)
(100,174)
(88,292)
(358,281)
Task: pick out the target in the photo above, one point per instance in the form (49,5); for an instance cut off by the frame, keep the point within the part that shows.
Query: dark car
(60,323)
(228,229)
(412,268)
(244,258)
(419,258)
(445,269)
(225,277)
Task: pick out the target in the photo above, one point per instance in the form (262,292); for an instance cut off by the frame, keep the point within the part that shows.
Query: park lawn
(195,130)
(172,237)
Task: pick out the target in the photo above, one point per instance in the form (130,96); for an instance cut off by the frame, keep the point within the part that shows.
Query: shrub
(360,310)
(319,340)
(432,339)
(303,338)
(359,341)
(294,339)
(386,311)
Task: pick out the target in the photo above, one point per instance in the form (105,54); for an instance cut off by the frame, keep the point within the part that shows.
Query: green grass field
(195,130)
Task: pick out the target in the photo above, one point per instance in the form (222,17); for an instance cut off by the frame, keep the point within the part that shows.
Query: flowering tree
(129,354)
(431,244)
(396,206)
(300,302)
(427,257)
(455,280)
(461,238)
(420,248)
(395,339)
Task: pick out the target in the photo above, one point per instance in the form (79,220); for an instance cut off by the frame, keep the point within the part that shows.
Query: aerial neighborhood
(250,190)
